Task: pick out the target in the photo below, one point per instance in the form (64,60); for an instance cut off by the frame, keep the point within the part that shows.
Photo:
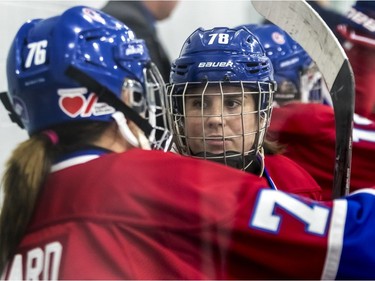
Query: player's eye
(232,103)
(198,103)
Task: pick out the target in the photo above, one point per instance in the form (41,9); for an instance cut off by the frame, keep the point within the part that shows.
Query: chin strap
(137,141)
(260,157)
(249,163)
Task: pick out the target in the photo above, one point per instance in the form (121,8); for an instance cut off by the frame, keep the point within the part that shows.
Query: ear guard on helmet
(108,97)
(11,112)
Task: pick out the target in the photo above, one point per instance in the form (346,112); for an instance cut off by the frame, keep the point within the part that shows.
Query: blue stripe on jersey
(358,253)
(269,179)
(78,157)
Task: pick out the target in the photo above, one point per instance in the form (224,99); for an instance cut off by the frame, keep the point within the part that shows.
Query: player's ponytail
(26,172)
(24,175)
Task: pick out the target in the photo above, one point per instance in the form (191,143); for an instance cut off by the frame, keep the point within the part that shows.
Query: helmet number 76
(37,53)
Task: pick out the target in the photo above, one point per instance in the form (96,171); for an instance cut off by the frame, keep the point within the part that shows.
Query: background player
(306,125)
(358,36)
(220,104)
(142,17)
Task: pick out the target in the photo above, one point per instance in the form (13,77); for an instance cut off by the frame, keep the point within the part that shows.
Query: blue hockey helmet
(221,54)
(218,58)
(105,59)
(296,74)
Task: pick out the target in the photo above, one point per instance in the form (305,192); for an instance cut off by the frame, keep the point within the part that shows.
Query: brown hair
(25,173)
(273,147)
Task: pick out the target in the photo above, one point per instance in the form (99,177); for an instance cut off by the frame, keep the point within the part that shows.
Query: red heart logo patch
(72,106)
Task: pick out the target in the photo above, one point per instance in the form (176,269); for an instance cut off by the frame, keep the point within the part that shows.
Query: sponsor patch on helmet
(75,102)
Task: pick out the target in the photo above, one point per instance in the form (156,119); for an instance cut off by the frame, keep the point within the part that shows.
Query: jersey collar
(78,157)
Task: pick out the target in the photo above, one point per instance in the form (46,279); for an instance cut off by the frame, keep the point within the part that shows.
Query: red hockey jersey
(289,176)
(154,215)
(308,130)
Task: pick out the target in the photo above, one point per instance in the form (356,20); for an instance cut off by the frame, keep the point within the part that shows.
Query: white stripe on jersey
(72,161)
(335,239)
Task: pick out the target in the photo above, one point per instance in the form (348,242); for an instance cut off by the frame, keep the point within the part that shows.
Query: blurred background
(186,17)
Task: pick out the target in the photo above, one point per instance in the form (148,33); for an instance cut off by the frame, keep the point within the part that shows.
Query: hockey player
(220,103)
(302,120)
(84,201)
(358,37)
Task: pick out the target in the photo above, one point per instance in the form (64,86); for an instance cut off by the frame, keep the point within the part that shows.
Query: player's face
(220,121)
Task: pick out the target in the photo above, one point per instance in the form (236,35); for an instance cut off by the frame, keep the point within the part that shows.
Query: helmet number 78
(222,38)
(36,54)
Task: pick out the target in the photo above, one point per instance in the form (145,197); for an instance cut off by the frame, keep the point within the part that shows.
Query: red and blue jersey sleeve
(335,238)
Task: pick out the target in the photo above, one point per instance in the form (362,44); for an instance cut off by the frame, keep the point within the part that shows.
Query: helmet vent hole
(254,71)
(252,64)
(180,69)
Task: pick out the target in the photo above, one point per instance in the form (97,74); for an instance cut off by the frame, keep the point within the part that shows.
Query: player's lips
(216,141)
